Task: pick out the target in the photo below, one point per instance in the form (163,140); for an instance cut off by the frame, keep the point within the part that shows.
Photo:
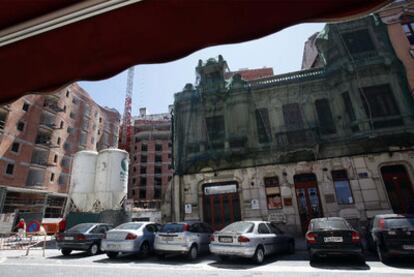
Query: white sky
(155,84)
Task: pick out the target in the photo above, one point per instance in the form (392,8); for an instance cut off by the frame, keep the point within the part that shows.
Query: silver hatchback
(189,238)
(251,239)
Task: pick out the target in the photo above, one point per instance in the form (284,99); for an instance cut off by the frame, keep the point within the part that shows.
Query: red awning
(146,31)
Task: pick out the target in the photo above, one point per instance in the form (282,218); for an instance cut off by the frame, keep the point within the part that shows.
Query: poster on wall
(188,208)
(255,204)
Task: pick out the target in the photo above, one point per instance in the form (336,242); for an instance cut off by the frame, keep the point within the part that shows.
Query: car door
(281,240)
(266,238)
(97,233)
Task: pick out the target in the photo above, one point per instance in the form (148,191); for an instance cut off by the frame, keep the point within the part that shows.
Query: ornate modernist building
(38,136)
(335,139)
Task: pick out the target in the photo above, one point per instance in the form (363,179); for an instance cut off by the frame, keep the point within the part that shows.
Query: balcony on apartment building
(51,104)
(40,159)
(35,178)
(44,140)
(4,112)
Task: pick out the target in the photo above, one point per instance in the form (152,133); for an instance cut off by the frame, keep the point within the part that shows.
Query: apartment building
(38,136)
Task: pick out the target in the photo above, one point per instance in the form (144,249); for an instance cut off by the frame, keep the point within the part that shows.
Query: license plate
(168,238)
(408,247)
(333,239)
(68,238)
(225,239)
(112,246)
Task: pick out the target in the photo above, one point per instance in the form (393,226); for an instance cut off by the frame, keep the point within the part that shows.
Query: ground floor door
(221,204)
(307,195)
(399,188)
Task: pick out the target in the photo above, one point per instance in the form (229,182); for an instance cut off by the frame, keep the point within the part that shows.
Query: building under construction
(39,134)
(334,139)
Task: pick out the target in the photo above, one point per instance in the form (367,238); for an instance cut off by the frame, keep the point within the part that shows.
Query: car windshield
(403,222)
(129,226)
(239,227)
(330,224)
(81,228)
(172,228)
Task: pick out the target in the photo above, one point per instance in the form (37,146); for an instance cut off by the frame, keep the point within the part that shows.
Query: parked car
(131,237)
(189,238)
(392,235)
(251,239)
(84,236)
(330,236)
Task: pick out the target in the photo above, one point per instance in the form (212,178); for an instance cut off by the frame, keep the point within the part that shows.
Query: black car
(392,235)
(84,237)
(331,236)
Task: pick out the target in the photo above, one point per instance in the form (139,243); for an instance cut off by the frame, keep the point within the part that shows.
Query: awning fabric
(148,31)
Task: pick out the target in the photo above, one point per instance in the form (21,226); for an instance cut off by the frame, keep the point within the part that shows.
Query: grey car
(131,237)
(251,239)
(85,237)
(189,238)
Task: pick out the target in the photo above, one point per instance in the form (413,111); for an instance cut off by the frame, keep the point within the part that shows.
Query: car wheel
(291,247)
(193,253)
(145,249)
(259,255)
(381,255)
(66,252)
(112,255)
(94,249)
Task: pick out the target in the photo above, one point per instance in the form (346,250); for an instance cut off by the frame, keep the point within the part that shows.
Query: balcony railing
(292,77)
(52,106)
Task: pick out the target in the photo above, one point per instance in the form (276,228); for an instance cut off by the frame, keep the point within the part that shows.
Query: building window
(158,158)
(67,93)
(358,41)
(133,192)
(52,177)
(348,106)
(61,125)
(59,140)
(144,147)
(158,147)
(134,169)
(342,187)
(157,170)
(55,158)
(15,147)
(9,169)
(143,182)
(326,122)
(157,192)
(64,109)
(264,132)
(25,107)
(408,29)
(143,170)
(292,116)
(379,102)
(20,126)
(67,146)
(273,196)
(142,192)
(215,128)
(100,120)
(143,159)
(134,181)
(75,101)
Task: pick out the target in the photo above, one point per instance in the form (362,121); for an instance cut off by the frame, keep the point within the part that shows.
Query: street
(14,263)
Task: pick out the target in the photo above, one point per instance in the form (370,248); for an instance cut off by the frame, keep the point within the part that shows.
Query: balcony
(296,137)
(4,112)
(52,106)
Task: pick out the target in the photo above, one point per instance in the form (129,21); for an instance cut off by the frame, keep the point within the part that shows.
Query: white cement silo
(111,178)
(82,185)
